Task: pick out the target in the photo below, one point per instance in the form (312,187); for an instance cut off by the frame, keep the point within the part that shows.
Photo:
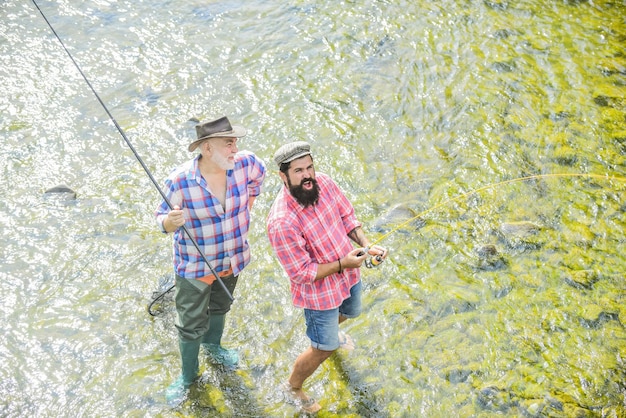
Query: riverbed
(482,142)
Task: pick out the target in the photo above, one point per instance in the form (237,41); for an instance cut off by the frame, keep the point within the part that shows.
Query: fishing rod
(375,260)
(132,148)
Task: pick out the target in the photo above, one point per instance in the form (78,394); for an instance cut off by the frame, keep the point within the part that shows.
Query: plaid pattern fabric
(221,233)
(305,237)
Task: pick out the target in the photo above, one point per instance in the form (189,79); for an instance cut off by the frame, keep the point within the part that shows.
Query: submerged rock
(456,374)
(489,258)
(521,235)
(494,399)
(594,316)
(62,191)
(582,279)
(395,217)
(523,228)
(488,250)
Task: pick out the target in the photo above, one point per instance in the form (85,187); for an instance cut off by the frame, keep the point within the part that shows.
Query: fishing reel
(374,261)
(371,262)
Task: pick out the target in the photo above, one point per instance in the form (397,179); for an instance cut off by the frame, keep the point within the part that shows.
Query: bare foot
(346,342)
(301,399)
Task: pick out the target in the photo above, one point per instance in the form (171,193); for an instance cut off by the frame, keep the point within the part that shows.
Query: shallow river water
(482,142)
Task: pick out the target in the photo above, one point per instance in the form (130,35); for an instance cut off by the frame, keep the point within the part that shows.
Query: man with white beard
(211,195)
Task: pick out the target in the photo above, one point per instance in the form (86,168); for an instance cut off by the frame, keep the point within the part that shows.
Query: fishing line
(132,148)
(159,296)
(491,186)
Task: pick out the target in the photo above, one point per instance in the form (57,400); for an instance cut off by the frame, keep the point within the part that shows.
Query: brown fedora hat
(218,128)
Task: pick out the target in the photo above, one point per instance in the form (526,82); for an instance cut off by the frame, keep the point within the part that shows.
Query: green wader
(201,311)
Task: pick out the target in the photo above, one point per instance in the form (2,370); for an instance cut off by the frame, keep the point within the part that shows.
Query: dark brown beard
(305,197)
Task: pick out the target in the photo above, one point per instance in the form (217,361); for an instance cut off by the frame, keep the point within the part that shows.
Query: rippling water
(503,298)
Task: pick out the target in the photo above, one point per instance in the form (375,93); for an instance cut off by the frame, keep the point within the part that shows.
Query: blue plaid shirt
(221,232)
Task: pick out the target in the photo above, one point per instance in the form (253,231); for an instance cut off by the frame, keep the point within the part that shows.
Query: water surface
(408,105)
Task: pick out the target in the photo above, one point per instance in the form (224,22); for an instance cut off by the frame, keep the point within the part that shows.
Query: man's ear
(283,177)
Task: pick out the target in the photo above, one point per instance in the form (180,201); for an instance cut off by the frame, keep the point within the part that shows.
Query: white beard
(222,162)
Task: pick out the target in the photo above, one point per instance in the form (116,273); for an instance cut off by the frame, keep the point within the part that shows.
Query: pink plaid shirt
(305,237)
(221,233)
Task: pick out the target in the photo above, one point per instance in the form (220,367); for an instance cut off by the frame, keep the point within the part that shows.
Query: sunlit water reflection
(506,301)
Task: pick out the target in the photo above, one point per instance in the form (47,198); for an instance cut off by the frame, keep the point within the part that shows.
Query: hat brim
(237,132)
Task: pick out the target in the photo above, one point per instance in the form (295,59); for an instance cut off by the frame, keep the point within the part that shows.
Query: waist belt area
(209,279)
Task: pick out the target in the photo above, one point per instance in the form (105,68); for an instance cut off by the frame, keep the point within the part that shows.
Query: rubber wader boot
(177,391)
(212,343)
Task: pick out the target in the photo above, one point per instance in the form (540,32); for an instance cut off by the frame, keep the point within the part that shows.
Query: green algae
(406,104)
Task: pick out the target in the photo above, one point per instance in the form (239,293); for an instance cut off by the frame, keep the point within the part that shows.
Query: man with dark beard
(310,226)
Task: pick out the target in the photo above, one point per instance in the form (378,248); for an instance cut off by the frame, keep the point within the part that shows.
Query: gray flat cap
(292,151)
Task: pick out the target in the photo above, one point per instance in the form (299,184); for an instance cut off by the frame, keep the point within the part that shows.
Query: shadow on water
(362,399)
(223,392)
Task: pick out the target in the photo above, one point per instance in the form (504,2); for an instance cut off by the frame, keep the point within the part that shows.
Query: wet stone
(520,229)
(608,101)
(533,407)
(522,235)
(61,191)
(456,374)
(582,279)
(594,316)
(489,258)
(395,217)
(486,251)
(494,399)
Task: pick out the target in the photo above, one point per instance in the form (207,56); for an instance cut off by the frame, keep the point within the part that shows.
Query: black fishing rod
(132,148)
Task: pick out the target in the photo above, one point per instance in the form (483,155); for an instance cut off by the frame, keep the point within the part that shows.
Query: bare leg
(305,365)
(345,341)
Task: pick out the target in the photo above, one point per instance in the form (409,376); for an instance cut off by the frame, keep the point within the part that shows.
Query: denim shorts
(322,327)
